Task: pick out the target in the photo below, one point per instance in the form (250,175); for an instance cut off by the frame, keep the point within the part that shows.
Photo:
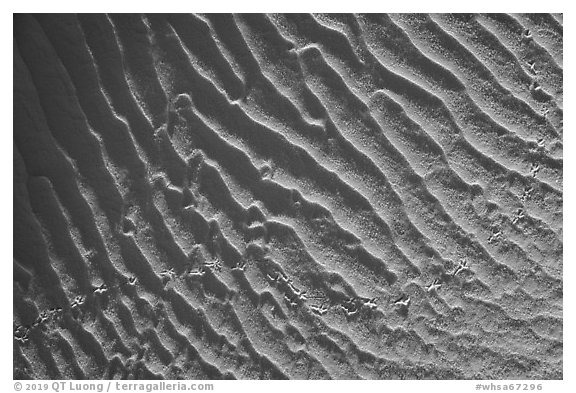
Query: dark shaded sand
(288,196)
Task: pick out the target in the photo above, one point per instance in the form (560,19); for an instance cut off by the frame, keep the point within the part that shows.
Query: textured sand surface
(288,196)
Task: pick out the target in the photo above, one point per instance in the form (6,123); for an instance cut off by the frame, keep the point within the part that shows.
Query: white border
(289,6)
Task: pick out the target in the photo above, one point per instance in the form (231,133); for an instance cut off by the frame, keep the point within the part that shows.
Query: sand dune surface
(288,196)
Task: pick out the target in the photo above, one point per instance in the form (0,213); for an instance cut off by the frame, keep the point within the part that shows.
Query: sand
(288,196)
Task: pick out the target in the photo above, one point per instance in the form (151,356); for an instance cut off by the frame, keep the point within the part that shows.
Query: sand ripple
(288,196)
